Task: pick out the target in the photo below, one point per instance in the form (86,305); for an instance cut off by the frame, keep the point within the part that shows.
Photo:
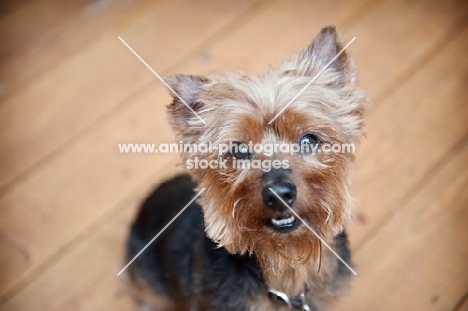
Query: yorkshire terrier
(243,244)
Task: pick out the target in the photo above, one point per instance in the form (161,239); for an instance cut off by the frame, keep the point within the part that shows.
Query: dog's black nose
(285,190)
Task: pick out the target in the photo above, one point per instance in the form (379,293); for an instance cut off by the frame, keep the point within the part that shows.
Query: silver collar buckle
(280,298)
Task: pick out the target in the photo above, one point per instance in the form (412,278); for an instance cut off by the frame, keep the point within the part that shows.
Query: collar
(282,299)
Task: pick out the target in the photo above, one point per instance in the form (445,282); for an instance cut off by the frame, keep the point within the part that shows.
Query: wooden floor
(70,91)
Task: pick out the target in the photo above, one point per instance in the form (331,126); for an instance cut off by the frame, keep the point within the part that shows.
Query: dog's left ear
(313,58)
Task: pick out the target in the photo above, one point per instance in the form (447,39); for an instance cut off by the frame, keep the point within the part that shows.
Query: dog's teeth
(282,222)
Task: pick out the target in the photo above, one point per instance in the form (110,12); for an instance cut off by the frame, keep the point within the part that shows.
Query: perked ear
(186,105)
(325,46)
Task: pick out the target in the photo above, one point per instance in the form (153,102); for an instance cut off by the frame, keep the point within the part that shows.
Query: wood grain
(78,91)
(91,268)
(417,261)
(409,134)
(40,34)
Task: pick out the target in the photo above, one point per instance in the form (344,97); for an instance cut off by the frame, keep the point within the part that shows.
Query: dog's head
(248,190)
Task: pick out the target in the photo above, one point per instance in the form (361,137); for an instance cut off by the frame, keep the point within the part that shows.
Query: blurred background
(70,91)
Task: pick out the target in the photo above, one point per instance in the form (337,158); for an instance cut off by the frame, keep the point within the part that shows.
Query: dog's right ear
(324,49)
(184,111)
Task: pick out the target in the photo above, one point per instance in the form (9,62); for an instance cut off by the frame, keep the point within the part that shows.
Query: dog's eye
(240,151)
(309,143)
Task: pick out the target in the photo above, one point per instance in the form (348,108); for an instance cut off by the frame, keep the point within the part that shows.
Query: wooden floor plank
(40,34)
(410,133)
(91,269)
(277,32)
(463,304)
(398,34)
(417,261)
(382,51)
(62,199)
(42,115)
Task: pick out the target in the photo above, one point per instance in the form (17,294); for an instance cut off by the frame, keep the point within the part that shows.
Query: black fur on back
(168,263)
(186,266)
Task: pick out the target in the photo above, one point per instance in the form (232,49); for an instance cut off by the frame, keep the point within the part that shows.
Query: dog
(255,238)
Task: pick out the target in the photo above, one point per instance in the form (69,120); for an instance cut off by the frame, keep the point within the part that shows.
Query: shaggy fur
(221,254)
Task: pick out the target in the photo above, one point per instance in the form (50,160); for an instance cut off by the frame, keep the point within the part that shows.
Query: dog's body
(185,270)
(251,242)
